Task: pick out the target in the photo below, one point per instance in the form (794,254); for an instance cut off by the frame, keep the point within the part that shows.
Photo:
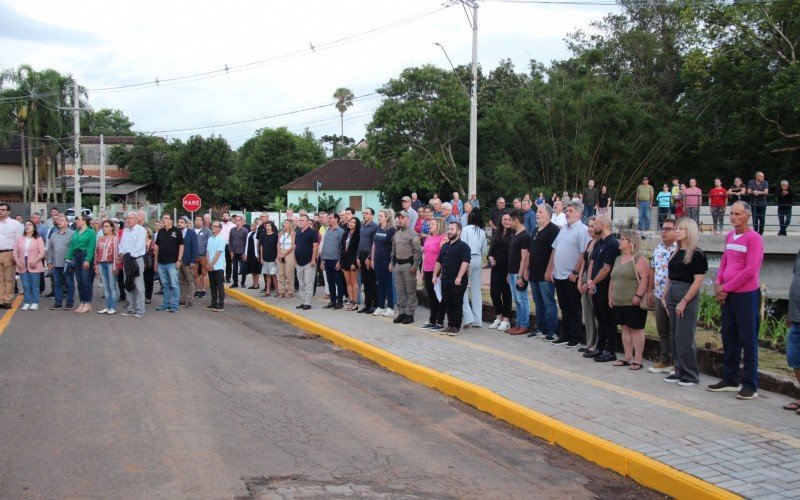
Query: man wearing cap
(644,200)
(412,213)
(186,273)
(405,259)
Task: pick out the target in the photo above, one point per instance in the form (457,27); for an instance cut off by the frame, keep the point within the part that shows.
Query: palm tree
(344,99)
(37,112)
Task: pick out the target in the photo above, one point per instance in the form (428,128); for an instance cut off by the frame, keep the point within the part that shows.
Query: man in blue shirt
(215,251)
(306,247)
(368,229)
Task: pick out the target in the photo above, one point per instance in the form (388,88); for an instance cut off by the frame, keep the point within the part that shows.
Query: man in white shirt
(134,242)
(10,230)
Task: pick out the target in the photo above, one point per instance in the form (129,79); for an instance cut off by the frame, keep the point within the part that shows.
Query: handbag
(644,302)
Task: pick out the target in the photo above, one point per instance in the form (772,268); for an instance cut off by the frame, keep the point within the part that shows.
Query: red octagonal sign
(191,202)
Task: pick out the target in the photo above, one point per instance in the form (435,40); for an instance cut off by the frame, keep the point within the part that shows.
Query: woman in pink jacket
(29,256)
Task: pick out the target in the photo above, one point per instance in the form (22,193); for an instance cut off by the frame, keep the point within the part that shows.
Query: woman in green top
(629,282)
(80,259)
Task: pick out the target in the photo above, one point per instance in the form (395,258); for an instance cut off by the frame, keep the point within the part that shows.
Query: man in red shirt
(717,197)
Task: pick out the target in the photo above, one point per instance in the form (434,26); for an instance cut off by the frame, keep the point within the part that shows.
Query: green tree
(204,166)
(149,160)
(270,159)
(110,122)
(421,129)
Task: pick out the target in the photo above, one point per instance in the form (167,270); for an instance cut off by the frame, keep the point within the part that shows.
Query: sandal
(795,406)
(635,366)
(621,362)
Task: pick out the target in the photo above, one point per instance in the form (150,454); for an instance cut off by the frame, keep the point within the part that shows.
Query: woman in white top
(474,236)
(559,217)
(286,260)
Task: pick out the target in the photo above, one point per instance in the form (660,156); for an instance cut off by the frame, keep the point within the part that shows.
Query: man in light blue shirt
(568,249)
(215,252)
(133,245)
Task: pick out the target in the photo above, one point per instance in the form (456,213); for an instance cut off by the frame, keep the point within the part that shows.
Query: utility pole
(473,115)
(102,177)
(76,116)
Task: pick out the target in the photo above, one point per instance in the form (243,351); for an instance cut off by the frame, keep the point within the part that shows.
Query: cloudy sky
(273,74)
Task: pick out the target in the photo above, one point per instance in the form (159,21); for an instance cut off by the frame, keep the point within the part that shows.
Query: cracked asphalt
(240,405)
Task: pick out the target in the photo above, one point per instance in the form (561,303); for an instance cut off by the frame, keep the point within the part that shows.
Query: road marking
(6,319)
(603,452)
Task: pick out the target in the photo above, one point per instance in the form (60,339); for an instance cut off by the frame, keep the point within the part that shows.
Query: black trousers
(216,282)
(500,291)
(569,301)
(759,216)
(228,263)
(437,311)
(121,285)
(370,283)
(149,277)
(606,326)
(239,268)
(335,281)
(453,301)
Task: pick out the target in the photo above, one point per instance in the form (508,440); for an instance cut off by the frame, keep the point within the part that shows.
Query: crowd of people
(565,249)
(676,199)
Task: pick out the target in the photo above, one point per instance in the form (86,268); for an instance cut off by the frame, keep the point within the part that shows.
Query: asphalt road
(238,404)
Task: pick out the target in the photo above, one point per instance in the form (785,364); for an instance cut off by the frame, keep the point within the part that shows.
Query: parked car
(70,213)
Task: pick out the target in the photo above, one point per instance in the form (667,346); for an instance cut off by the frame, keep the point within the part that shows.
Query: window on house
(355,203)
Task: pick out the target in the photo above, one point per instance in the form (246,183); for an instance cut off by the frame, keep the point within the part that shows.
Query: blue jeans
(109,284)
(168,276)
(644,216)
(544,296)
(740,323)
(384,278)
(30,287)
(793,346)
(60,279)
(521,300)
(84,278)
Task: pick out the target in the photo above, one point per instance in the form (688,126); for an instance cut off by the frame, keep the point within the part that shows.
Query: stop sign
(191,202)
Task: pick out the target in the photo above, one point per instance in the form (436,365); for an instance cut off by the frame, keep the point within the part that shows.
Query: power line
(275,59)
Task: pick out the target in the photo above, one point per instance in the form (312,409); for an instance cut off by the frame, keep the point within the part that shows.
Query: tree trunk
(63,178)
(31,166)
(51,179)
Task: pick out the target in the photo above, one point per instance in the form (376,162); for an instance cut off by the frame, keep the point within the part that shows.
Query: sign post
(191,203)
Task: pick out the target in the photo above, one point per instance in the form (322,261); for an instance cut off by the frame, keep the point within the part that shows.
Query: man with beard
(451,268)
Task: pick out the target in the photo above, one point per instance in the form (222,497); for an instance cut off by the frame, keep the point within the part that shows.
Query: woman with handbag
(629,283)
(29,255)
(81,257)
(687,269)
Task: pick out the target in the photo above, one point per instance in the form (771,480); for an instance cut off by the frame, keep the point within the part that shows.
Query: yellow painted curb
(624,461)
(6,318)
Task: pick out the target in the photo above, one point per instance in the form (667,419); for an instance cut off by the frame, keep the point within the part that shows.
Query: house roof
(342,174)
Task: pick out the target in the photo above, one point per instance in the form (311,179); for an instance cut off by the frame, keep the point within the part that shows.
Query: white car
(70,213)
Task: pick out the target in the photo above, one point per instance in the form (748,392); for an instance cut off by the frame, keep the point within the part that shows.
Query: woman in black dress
(252,256)
(348,261)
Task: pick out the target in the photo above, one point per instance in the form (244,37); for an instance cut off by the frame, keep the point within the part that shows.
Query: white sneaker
(26,306)
(378,311)
(389,312)
(495,324)
(34,307)
(111,311)
(477,325)
(504,325)
(102,311)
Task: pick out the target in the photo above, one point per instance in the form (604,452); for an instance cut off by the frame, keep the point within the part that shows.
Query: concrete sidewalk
(750,448)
